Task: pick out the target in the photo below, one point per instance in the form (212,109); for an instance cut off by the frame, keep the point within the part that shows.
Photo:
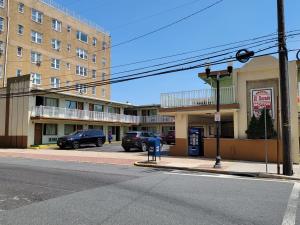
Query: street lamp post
(217,77)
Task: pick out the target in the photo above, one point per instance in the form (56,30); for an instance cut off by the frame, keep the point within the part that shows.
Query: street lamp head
(207,70)
(230,67)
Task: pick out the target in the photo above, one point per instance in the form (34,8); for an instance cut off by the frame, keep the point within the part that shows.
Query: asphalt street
(42,192)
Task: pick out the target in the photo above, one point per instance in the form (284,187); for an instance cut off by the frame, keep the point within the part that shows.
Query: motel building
(242,94)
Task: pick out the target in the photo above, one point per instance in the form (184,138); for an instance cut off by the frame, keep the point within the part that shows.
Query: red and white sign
(261,99)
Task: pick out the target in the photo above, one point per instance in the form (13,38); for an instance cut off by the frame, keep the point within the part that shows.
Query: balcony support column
(235,125)
(181,129)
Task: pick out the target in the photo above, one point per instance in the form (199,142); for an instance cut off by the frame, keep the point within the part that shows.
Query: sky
(229,21)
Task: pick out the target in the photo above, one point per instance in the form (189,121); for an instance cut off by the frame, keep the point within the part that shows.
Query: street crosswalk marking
(291,209)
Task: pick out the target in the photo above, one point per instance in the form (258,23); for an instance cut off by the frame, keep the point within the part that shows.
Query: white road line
(291,209)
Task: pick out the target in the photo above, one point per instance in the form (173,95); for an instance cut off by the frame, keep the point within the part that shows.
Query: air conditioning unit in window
(38,63)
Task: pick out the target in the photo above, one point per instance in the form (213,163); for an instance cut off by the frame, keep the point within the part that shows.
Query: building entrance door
(38,132)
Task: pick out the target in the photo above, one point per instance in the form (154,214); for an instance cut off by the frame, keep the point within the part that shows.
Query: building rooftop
(68,12)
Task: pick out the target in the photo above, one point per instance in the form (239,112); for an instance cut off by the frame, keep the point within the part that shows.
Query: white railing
(197,97)
(157,119)
(65,113)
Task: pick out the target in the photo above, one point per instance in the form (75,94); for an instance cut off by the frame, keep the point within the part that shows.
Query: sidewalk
(257,169)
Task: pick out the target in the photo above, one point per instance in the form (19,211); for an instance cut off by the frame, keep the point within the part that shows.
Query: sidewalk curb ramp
(216,171)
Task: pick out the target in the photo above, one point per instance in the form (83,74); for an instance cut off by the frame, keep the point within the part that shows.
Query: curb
(235,173)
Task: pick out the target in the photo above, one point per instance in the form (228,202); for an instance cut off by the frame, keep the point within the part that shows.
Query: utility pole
(284,89)
(218,125)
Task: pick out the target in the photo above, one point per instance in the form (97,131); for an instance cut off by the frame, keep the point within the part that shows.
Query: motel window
(69,128)
(21,7)
(53,102)
(1,24)
(50,129)
(71,104)
(56,25)
(98,108)
(82,71)
(36,78)
(36,16)
(36,37)
(82,36)
(20,29)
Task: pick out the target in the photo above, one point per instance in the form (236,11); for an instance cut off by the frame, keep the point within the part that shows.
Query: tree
(256,127)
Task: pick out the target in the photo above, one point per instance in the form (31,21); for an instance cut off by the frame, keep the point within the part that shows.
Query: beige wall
(14,62)
(265,69)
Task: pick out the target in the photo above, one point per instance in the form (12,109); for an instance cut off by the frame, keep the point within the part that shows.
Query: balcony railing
(157,119)
(197,97)
(65,113)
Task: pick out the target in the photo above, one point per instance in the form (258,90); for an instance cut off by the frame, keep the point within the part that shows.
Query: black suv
(136,139)
(74,140)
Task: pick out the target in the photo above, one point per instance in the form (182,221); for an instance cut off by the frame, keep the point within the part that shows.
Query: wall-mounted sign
(261,99)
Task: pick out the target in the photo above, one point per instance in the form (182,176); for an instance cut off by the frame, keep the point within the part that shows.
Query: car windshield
(131,134)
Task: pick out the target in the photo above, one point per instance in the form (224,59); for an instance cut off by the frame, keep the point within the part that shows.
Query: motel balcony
(202,97)
(48,112)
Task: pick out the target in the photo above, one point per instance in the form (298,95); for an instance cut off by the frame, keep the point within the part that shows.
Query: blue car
(74,140)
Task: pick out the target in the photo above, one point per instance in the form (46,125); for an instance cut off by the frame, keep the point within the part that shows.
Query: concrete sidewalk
(257,169)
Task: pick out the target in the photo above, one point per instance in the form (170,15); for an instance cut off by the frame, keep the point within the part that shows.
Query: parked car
(137,139)
(170,137)
(74,140)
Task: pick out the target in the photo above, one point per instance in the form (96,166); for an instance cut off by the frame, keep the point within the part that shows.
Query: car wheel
(144,147)
(61,147)
(75,145)
(126,149)
(99,142)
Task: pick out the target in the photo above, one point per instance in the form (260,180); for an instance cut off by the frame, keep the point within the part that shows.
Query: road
(44,192)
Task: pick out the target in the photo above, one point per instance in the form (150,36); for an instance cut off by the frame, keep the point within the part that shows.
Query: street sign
(217,116)
(262,98)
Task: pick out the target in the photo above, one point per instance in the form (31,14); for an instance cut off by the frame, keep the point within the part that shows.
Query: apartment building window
(69,28)
(94,90)
(94,74)
(55,82)
(103,76)
(68,66)
(50,129)
(2,3)
(36,57)
(56,25)
(20,29)
(103,62)
(36,16)
(81,88)
(1,48)
(36,37)
(1,71)
(55,64)
(94,41)
(19,51)
(82,36)
(36,78)
(104,45)
(21,7)
(1,24)
(56,44)
(69,47)
(82,71)
(94,59)
(18,72)
(103,92)
(81,53)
